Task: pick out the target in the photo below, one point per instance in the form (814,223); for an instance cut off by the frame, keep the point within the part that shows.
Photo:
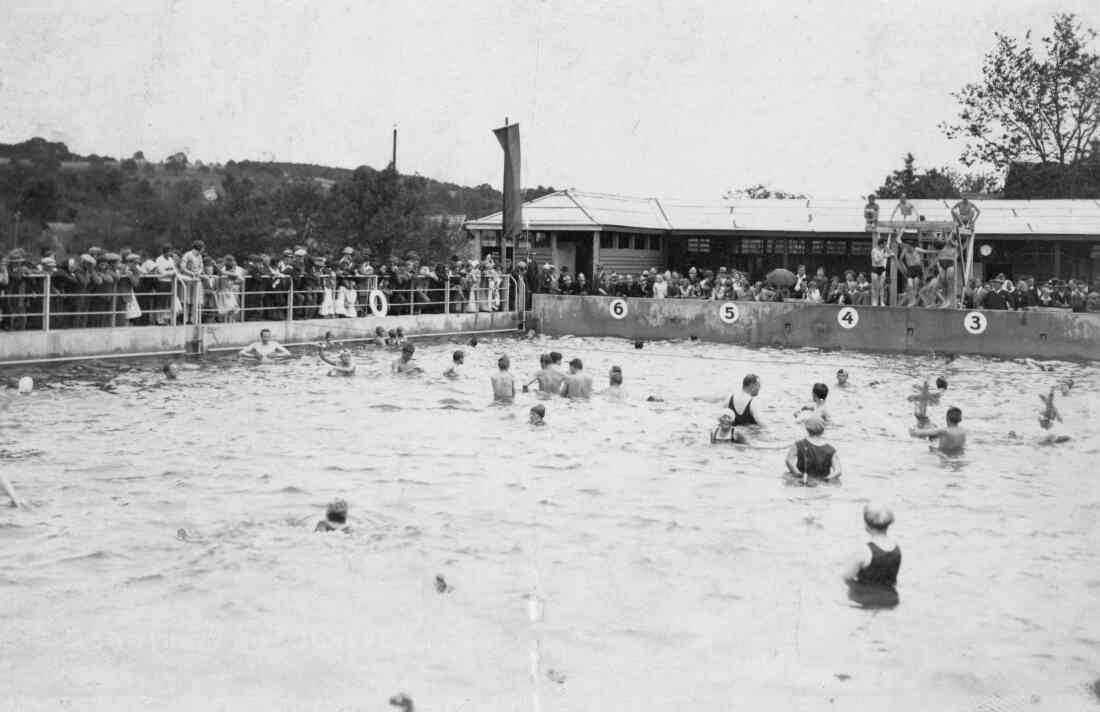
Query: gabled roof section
(580,210)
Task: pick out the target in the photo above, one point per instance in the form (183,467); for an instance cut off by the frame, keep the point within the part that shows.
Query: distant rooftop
(578,210)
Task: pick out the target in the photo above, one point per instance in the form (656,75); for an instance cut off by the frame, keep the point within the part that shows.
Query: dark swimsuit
(883,569)
(814,460)
(745,418)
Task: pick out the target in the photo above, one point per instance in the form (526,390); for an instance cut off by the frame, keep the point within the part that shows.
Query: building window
(836,247)
(639,242)
(796,247)
(655,243)
(607,240)
(752,247)
(698,244)
(624,241)
(816,247)
(861,247)
(775,247)
(540,239)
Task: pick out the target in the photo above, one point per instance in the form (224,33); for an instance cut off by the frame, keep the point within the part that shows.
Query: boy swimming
(504,386)
(336,517)
(812,456)
(342,365)
(457,359)
(538,414)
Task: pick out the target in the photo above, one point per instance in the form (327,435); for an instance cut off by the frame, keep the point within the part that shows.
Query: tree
(935,182)
(176,163)
(762,192)
(1030,107)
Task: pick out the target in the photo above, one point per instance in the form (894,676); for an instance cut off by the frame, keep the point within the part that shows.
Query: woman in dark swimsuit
(812,456)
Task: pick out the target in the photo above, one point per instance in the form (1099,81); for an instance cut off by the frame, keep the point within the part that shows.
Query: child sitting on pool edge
(725,432)
(336,517)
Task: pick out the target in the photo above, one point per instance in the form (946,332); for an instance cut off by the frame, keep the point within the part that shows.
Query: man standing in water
(872,575)
(405,364)
(342,365)
(504,386)
(951,439)
(548,377)
(265,350)
(577,385)
(744,412)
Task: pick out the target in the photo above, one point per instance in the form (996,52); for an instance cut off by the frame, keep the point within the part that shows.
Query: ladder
(927,233)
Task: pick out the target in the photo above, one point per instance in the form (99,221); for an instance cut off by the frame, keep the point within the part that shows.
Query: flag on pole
(512,215)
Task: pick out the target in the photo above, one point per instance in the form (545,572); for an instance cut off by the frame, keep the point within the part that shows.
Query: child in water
(538,414)
(457,359)
(872,575)
(336,517)
(342,365)
(725,432)
(817,404)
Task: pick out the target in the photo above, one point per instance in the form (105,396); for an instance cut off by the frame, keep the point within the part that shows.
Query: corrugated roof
(593,211)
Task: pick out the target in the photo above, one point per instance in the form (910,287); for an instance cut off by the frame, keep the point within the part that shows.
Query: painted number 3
(975,323)
(618,308)
(847,318)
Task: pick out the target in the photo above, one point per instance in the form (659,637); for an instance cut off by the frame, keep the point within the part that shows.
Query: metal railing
(34,301)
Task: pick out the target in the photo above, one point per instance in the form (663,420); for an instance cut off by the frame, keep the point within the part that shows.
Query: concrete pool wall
(1037,334)
(27,346)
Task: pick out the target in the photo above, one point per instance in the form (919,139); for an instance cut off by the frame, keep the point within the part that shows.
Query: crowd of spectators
(99,288)
(851,288)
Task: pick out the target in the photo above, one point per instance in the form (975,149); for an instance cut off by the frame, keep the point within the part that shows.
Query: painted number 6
(618,308)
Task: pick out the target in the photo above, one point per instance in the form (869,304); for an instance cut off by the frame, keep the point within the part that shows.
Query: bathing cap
(540,409)
(814,425)
(728,413)
(877,517)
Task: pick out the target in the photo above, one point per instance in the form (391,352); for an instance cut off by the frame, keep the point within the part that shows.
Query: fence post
(172,297)
(447,295)
(290,302)
(46,304)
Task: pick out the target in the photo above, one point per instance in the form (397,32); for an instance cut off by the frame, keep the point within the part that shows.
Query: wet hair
(877,518)
(539,409)
(379,331)
(821,391)
(408,349)
(576,363)
(169,369)
(555,357)
(638,344)
(458,355)
(749,380)
(264,331)
(391,333)
(400,331)
(337,512)
(544,360)
(954,415)
(503,363)
(941,382)
(616,377)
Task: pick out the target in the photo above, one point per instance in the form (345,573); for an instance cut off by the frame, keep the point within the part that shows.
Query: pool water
(611,560)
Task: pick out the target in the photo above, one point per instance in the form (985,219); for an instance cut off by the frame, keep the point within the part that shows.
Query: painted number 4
(975,323)
(618,308)
(847,318)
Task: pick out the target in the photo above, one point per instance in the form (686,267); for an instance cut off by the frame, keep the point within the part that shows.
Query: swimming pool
(615,551)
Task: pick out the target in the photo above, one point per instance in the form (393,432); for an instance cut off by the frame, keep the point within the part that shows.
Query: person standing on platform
(870,213)
(966,214)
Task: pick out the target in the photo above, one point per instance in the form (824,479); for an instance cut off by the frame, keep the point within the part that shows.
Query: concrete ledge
(1035,334)
(150,340)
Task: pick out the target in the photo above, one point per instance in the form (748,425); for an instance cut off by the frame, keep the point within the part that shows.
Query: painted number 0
(848,318)
(618,308)
(975,323)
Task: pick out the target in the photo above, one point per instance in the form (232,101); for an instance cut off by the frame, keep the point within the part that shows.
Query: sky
(670,99)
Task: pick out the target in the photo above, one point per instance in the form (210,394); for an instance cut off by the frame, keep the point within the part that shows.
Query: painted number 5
(728,313)
(618,308)
(975,323)
(847,318)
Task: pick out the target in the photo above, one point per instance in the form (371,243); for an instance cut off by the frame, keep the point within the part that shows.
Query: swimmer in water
(841,378)
(504,386)
(817,404)
(265,350)
(336,517)
(538,414)
(379,337)
(615,384)
(555,360)
(457,359)
(10,492)
(405,364)
(400,334)
(1049,419)
(171,370)
(951,439)
(877,564)
(548,377)
(1066,386)
(725,432)
(342,365)
(577,385)
(744,412)
(812,456)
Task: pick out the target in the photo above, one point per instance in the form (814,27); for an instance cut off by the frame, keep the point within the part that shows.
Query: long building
(580,230)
